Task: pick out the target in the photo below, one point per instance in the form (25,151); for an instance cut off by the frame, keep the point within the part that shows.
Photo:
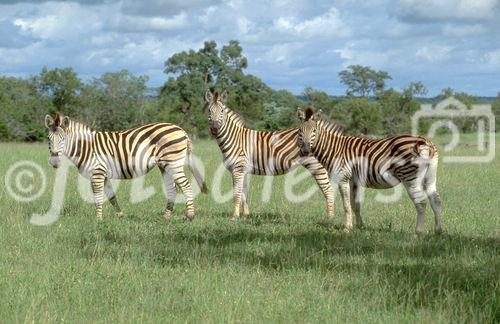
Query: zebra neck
(231,128)
(329,130)
(330,135)
(79,143)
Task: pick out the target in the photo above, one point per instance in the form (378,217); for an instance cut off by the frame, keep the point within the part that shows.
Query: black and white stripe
(355,161)
(247,151)
(127,154)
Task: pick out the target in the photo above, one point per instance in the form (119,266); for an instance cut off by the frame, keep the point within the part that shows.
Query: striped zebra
(355,161)
(101,156)
(247,151)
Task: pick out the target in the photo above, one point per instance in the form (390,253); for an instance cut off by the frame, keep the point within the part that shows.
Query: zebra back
(262,152)
(368,159)
(128,153)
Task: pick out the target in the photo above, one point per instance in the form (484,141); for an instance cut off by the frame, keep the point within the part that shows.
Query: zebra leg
(168,181)
(432,194)
(346,200)
(182,182)
(238,179)
(244,196)
(97,181)
(356,204)
(436,208)
(322,178)
(417,195)
(108,190)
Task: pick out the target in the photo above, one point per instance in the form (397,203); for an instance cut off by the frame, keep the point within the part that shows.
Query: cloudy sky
(289,44)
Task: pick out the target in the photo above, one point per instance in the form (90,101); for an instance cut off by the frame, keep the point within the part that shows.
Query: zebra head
(216,110)
(306,138)
(57,137)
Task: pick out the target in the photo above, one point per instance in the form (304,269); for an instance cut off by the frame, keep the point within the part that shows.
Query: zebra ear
(309,113)
(216,96)
(209,96)
(49,121)
(301,114)
(318,115)
(223,96)
(64,122)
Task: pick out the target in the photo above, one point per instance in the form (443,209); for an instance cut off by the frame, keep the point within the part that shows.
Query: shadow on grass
(298,242)
(416,272)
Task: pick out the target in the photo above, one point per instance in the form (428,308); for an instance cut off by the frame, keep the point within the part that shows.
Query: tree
(232,56)
(397,109)
(233,61)
(63,86)
(414,89)
(365,115)
(331,109)
(115,100)
(445,93)
(280,109)
(363,81)
(468,124)
(181,102)
(22,110)
(495,107)
(205,61)
(194,72)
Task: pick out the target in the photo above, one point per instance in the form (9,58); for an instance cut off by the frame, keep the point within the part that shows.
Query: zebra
(247,151)
(355,161)
(101,156)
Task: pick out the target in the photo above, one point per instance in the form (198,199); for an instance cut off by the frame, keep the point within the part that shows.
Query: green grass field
(277,266)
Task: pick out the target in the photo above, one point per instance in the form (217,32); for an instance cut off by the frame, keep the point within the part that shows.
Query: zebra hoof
(438,231)
(119,214)
(168,214)
(190,216)
(348,229)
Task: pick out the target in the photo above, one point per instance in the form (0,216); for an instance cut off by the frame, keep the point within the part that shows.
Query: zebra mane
(331,127)
(76,126)
(236,117)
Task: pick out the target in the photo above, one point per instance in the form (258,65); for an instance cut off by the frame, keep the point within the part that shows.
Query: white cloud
(328,25)
(289,44)
(429,10)
(345,53)
(61,20)
(493,57)
(280,53)
(244,25)
(433,53)
(463,30)
(157,8)
(141,24)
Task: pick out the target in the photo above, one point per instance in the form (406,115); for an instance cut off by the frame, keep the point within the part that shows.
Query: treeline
(119,100)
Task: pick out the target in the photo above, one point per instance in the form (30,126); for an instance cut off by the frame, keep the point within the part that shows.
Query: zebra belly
(385,180)
(129,170)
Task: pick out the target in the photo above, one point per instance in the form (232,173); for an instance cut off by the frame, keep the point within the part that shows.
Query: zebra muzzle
(214,130)
(54,161)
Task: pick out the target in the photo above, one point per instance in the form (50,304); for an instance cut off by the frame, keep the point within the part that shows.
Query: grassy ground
(278,266)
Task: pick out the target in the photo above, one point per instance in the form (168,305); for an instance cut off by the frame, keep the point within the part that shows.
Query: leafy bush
(120,100)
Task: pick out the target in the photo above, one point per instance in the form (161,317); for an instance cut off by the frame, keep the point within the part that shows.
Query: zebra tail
(194,170)
(427,150)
